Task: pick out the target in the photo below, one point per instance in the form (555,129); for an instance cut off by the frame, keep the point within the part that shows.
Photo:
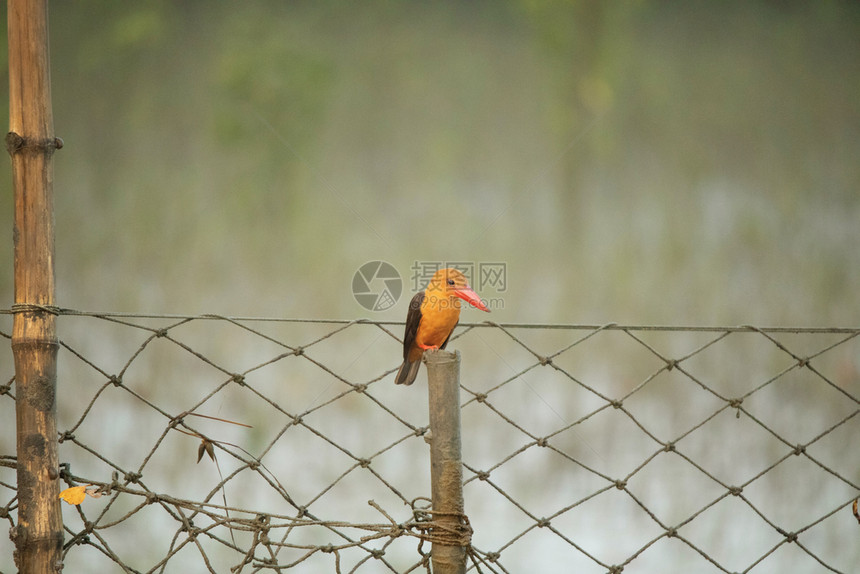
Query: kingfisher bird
(433,314)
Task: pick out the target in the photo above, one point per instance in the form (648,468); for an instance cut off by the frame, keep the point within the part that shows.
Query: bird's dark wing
(413,319)
(442,346)
(407,373)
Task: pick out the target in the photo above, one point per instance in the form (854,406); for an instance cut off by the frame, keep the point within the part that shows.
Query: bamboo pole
(30,142)
(448,553)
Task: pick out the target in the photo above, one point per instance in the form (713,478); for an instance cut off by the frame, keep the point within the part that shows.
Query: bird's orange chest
(439,316)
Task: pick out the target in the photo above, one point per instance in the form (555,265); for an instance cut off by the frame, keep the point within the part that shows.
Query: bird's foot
(428,347)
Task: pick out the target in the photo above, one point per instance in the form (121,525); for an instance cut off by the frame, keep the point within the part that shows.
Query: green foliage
(286,85)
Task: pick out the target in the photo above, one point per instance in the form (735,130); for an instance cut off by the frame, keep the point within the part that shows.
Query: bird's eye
(451,282)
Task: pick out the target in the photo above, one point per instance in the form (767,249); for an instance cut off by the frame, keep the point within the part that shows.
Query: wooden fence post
(31,143)
(448,553)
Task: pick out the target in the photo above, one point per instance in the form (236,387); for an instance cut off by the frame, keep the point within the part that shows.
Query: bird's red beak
(466,294)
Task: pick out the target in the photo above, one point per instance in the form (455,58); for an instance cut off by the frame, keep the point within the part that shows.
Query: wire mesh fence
(219,444)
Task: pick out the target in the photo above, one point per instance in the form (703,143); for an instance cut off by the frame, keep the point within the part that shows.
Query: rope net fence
(208,443)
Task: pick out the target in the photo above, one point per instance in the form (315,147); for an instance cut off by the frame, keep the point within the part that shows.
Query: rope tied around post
(33,308)
(440,532)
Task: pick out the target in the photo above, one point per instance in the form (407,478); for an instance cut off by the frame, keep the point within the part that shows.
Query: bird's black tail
(407,373)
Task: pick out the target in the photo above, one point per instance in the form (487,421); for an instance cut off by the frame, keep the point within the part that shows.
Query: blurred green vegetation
(653,162)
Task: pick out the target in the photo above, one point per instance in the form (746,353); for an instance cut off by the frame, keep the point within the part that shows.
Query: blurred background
(640,162)
(668,163)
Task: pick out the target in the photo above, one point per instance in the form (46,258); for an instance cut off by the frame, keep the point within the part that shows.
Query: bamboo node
(16,143)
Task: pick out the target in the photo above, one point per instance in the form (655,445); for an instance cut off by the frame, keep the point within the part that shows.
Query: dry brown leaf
(207,447)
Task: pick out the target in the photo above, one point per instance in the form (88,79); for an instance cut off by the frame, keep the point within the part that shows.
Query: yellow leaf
(75,495)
